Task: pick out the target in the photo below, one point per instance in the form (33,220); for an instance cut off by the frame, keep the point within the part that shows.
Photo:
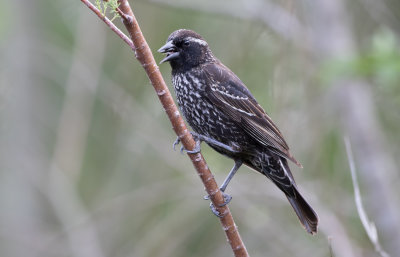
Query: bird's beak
(170,49)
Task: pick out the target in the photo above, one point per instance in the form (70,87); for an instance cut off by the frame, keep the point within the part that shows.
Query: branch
(109,24)
(146,59)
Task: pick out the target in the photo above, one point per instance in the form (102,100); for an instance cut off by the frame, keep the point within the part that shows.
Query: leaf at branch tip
(103,5)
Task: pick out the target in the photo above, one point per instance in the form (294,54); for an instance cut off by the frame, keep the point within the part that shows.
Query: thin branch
(109,24)
(368,225)
(145,57)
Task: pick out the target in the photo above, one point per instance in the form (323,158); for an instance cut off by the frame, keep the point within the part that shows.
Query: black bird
(223,113)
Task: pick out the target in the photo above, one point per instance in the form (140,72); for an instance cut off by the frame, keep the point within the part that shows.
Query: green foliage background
(86,163)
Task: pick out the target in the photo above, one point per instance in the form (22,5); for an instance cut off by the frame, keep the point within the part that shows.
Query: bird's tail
(306,214)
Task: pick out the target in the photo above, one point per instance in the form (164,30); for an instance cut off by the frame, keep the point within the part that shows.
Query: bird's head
(186,49)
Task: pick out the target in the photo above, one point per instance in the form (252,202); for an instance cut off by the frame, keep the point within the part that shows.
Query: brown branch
(145,57)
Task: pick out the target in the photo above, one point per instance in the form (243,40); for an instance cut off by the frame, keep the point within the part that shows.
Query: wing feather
(233,98)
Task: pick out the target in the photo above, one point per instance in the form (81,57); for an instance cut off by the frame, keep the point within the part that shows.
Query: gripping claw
(196,149)
(176,142)
(215,211)
(227,199)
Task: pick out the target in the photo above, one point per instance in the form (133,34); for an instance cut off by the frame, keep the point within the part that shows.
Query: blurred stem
(71,139)
(146,59)
(367,224)
(356,102)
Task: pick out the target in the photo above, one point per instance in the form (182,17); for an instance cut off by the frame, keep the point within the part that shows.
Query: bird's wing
(232,97)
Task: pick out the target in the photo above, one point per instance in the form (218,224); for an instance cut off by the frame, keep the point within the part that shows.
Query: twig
(367,224)
(145,57)
(109,23)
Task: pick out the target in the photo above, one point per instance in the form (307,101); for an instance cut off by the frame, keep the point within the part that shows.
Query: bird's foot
(215,211)
(176,142)
(227,199)
(196,149)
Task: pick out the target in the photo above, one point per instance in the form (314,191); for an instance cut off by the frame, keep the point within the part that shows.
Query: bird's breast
(196,109)
(204,117)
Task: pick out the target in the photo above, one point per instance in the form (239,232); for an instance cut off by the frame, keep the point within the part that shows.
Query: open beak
(170,49)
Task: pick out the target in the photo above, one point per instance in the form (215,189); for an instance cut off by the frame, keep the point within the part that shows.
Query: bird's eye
(186,43)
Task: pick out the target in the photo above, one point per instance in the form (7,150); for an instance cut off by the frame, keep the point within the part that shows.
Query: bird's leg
(200,138)
(227,198)
(230,175)
(214,142)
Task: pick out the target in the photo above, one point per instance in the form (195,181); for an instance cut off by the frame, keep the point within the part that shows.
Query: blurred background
(86,163)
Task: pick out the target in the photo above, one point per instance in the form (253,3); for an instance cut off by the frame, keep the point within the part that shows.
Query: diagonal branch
(146,59)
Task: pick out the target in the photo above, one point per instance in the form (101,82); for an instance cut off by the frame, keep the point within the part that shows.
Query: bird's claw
(176,142)
(227,199)
(196,149)
(215,211)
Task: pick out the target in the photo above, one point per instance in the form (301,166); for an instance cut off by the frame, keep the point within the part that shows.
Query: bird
(222,112)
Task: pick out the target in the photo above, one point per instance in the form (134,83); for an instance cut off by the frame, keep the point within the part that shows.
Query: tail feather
(277,169)
(307,216)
